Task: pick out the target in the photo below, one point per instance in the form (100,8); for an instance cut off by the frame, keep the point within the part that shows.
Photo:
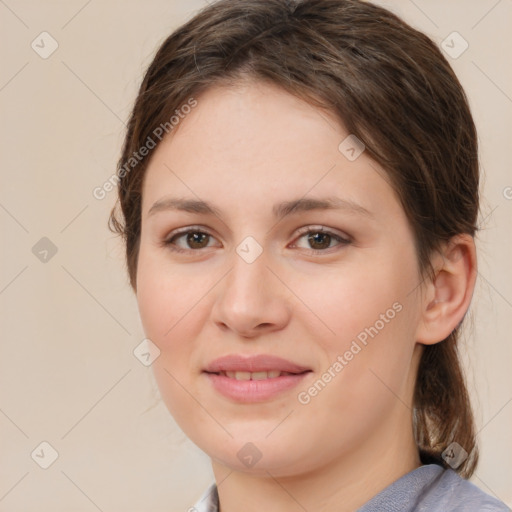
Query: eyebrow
(279,210)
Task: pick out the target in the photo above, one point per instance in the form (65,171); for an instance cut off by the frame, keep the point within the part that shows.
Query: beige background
(68,375)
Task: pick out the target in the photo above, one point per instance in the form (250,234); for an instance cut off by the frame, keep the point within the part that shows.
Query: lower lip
(248,391)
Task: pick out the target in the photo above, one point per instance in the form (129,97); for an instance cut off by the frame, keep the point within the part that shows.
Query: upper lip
(254,363)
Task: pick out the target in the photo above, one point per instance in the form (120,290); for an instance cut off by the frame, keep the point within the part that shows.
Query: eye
(194,238)
(320,239)
(191,239)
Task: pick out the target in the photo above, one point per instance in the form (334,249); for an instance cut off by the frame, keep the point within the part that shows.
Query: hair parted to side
(390,86)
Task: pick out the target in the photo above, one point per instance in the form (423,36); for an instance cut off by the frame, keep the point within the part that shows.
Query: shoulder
(455,493)
(429,488)
(434,489)
(208,502)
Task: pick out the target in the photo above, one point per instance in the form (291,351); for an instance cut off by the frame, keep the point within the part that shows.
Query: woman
(299,195)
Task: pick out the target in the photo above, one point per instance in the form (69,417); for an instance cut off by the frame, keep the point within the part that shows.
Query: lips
(254,365)
(272,374)
(258,378)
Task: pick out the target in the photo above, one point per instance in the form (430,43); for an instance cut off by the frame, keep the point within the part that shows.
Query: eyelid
(322,229)
(343,239)
(166,242)
(187,229)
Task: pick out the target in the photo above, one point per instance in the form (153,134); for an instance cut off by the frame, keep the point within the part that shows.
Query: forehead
(254,142)
(255,122)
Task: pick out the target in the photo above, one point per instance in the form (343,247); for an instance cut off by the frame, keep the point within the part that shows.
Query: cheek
(368,318)
(363,385)
(165,297)
(169,321)
(357,299)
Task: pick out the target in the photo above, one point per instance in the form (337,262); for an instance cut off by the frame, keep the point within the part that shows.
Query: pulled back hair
(391,87)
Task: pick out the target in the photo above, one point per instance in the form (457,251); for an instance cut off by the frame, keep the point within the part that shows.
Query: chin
(262,457)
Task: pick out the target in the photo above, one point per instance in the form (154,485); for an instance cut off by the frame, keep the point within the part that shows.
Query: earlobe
(447,297)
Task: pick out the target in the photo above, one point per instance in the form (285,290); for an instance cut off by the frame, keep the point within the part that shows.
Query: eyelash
(170,241)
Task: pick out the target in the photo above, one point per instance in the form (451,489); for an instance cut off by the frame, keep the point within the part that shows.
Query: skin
(244,149)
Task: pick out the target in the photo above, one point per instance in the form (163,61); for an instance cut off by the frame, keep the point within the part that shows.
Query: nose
(251,300)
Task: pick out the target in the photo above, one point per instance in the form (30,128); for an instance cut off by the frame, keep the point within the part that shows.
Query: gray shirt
(428,488)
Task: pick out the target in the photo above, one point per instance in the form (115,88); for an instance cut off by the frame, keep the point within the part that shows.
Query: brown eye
(196,240)
(319,240)
(189,240)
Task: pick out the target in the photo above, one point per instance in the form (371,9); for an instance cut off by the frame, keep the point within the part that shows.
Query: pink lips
(257,363)
(223,373)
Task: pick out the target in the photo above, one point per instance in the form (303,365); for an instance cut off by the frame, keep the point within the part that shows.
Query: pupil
(314,239)
(195,239)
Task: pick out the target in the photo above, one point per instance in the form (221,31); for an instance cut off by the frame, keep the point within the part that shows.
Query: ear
(446,298)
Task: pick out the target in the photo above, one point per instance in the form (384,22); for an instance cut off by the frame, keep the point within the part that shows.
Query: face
(276,275)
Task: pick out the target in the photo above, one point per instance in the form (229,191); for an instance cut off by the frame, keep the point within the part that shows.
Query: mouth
(249,379)
(257,365)
(263,375)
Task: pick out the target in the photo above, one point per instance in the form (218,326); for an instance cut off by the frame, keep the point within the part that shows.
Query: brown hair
(390,86)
